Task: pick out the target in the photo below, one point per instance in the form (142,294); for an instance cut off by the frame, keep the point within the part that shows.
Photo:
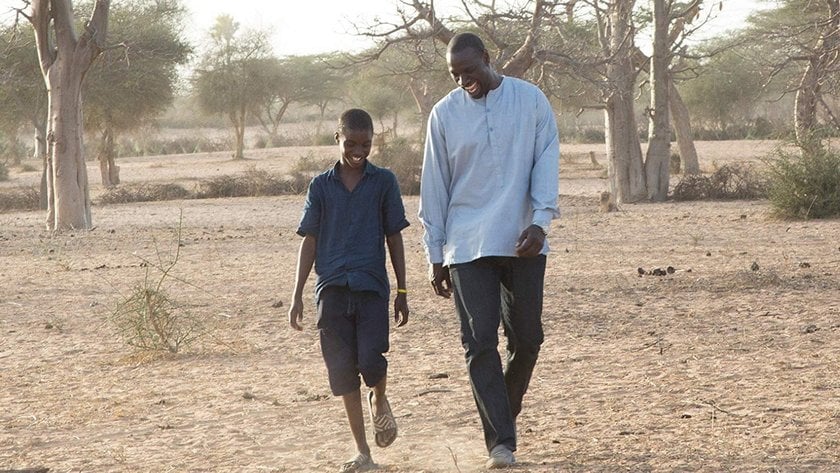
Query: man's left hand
(530,242)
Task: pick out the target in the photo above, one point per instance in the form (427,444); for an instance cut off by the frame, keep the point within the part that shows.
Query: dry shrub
(143,193)
(149,319)
(307,167)
(730,182)
(253,183)
(22,198)
(405,159)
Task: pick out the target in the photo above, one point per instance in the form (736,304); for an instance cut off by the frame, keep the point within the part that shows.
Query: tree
(329,87)
(228,78)
(806,36)
(65,58)
(659,138)
(129,86)
(283,81)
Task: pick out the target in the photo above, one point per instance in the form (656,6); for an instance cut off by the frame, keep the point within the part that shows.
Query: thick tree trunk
(808,94)
(681,122)
(69,202)
(65,58)
(657,162)
(624,152)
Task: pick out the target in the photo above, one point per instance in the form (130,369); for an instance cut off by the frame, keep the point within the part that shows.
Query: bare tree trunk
(108,169)
(238,120)
(70,202)
(424,100)
(657,162)
(63,65)
(624,152)
(808,95)
(681,121)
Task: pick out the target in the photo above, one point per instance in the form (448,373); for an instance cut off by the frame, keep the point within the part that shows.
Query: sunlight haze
(322,26)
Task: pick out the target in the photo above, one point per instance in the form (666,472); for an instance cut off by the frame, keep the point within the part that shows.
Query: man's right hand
(441,282)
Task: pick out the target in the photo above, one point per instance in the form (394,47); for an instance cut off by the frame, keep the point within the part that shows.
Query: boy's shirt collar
(333,173)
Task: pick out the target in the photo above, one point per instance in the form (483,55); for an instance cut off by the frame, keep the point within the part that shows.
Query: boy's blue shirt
(351,228)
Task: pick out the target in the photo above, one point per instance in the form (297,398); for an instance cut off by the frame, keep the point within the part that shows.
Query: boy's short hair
(355,119)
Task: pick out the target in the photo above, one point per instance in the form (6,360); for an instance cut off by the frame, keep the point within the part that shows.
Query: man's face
(355,147)
(471,71)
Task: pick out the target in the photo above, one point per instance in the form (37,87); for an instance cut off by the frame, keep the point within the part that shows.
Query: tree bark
(108,169)
(681,121)
(624,152)
(657,162)
(809,92)
(238,120)
(63,66)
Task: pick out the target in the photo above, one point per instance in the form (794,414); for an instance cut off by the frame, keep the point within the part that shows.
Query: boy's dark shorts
(353,327)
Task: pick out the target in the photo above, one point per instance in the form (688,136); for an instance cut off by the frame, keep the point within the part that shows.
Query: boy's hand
(401,309)
(296,314)
(441,282)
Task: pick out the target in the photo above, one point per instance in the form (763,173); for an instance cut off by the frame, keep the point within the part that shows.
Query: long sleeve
(544,182)
(434,191)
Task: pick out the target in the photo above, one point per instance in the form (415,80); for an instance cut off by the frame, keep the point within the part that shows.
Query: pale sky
(319,26)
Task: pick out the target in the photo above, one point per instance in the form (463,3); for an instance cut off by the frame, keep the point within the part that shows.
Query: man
(487,197)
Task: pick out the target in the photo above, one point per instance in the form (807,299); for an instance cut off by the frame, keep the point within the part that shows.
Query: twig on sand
(454,459)
(433,390)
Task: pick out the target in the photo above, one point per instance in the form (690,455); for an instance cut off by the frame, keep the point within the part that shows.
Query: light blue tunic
(490,169)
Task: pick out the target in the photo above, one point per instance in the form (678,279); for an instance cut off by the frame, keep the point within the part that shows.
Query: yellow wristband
(402,291)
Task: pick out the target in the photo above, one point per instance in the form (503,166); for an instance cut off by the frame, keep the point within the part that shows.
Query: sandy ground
(730,363)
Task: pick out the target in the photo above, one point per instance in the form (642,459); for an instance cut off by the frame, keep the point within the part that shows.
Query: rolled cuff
(434,254)
(543,217)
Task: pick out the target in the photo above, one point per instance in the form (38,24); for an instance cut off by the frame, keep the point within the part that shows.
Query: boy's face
(471,70)
(354,146)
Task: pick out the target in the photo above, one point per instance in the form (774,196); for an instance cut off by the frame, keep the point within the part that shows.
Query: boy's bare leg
(353,407)
(379,397)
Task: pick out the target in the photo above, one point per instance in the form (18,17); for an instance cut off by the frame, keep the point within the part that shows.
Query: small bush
(143,193)
(148,318)
(805,184)
(23,198)
(405,160)
(730,182)
(254,183)
(4,172)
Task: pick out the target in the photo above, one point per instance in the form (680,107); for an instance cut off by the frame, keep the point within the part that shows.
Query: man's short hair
(355,119)
(462,41)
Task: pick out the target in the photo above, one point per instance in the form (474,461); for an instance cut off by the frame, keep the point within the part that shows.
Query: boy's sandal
(384,425)
(360,462)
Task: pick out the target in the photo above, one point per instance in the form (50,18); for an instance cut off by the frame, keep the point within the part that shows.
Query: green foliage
(23,96)
(805,184)
(727,91)
(229,79)
(148,318)
(127,86)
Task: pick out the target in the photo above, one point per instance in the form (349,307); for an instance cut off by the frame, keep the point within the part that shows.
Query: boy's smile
(355,146)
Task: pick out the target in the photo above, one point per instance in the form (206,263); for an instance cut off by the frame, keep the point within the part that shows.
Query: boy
(351,212)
